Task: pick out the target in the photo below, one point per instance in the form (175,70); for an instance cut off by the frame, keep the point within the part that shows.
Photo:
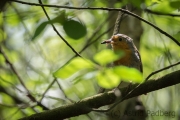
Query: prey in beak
(107,41)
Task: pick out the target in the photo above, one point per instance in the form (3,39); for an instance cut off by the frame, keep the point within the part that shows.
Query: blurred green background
(37,52)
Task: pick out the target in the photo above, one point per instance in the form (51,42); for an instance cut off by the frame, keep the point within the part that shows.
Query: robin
(131,58)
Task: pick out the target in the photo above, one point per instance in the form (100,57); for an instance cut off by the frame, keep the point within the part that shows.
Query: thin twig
(165,68)
(60,87)
(47,89)
(77,54)
(160,13)
(107,9)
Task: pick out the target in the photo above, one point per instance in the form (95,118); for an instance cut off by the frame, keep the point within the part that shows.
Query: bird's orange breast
(125,60)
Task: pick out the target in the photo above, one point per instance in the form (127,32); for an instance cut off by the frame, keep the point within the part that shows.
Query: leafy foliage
(74,29)
(76,65)
(107,56)
(106,77)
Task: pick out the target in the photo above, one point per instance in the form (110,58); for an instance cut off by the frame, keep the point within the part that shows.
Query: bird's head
(119,41)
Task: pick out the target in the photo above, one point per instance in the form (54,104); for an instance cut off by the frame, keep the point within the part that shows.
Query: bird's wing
(139,57)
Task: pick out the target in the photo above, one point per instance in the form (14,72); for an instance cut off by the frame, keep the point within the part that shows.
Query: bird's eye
(120,39)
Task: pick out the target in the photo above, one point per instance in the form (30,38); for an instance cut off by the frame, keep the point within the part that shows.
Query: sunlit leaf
(129,74)
(74,29)
(107,56)
(108,79)
(74,66)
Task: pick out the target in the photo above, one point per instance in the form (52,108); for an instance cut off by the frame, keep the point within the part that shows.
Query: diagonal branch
(107,9)
(88,104)
(77,54)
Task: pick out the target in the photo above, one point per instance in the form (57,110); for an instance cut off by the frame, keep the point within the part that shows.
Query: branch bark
(88,104)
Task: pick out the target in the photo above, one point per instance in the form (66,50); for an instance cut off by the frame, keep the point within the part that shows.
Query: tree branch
(107,9)
(88,104)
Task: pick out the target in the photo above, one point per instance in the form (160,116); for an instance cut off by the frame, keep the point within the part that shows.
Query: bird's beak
(107,41)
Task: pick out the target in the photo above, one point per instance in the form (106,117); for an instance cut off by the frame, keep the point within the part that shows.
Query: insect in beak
(107,41)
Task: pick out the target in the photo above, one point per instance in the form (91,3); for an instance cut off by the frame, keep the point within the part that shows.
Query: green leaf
(74,29)
(74,66)
(107,56)
(58,19)
(108,79)
(39,29)
(129,74)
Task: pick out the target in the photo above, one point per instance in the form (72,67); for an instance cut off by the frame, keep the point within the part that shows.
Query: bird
(131,58)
